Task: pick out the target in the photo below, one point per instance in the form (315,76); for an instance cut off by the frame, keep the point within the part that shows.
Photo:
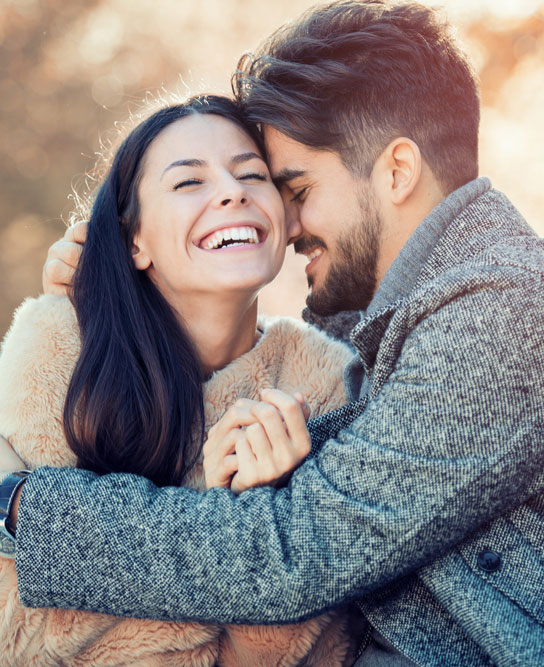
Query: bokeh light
(70,71)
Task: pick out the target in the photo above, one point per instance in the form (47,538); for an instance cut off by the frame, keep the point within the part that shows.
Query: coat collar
(401,278)
(404,275)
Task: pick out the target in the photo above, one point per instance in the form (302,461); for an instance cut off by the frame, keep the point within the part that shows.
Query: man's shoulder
(508,262)
(518,254)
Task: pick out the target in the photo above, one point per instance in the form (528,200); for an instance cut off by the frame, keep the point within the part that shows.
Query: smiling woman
(159,338)
(206,171)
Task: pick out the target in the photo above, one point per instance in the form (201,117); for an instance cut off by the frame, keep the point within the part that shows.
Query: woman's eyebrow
(245,157)
(193,162)
(185,163)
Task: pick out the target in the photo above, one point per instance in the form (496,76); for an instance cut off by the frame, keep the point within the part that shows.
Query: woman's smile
(243,235)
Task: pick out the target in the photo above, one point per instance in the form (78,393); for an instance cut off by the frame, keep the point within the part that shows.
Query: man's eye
(298,196)
(253,177)
(186,183)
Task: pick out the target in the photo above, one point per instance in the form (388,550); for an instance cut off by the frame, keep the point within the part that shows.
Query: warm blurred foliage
(69,70)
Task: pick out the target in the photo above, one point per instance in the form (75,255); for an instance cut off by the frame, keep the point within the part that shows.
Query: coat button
(489,561)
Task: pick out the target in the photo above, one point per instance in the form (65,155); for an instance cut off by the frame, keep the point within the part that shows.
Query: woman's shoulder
(311,362)
(48,310)
(38,355)
(42,326)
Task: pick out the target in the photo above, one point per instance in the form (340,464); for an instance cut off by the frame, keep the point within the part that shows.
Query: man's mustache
(306,243)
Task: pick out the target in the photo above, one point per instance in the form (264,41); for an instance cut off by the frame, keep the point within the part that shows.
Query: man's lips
(236,234)
(312,255)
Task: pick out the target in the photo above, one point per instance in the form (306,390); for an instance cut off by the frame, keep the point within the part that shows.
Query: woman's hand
(62,260)
(9,461)
(260,443)
(271,448)
(220,461)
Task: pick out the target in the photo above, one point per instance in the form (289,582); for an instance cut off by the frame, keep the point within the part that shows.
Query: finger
(218,448)
(77,233)
(305,407)
(239,414)
(262,449)
(218,463)
(247,464)
(271,420)
(229,465)
(65,251)
(56,272)
(222,475)
(293,416)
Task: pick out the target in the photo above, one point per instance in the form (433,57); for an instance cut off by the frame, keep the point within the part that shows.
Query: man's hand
(260,443)
(62,260)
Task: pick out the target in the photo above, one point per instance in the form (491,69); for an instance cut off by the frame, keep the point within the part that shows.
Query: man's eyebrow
(184,163)
(286,175)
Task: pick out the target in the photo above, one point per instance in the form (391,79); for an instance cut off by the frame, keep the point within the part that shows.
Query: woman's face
(211,219)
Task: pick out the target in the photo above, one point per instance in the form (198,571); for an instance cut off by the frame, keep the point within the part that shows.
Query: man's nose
(294,226)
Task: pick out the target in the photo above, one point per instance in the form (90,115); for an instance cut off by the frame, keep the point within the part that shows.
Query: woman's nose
(231,193)
(233,200)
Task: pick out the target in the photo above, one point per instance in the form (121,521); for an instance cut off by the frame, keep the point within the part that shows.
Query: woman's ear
(403,162)
(142,260)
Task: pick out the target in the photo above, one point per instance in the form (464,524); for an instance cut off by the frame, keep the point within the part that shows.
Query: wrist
(10,494)
(11,520)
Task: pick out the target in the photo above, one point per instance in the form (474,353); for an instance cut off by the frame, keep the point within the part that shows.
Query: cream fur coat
(38,356)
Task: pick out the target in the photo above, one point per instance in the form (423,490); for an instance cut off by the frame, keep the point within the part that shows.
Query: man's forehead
(285,155)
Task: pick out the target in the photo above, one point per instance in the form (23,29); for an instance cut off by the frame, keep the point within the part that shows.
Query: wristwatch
(8,488)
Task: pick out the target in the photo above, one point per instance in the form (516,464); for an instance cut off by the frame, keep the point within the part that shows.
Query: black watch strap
(8,487)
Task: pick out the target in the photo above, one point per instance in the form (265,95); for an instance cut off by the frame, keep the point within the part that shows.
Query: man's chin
(322,304)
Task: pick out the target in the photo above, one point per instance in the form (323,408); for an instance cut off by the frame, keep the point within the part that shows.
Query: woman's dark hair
(351,76)
(134,402)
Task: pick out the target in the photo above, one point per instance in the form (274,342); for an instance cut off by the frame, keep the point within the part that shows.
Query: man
(424,498)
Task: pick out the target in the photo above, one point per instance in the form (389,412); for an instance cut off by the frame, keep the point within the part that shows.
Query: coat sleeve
(453,439)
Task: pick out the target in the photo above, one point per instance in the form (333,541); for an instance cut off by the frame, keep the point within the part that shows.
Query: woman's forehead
(204,137)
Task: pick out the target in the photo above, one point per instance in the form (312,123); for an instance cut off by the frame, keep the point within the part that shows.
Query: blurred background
(70,70)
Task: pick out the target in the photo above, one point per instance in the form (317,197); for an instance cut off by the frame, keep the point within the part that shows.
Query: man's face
(332,218)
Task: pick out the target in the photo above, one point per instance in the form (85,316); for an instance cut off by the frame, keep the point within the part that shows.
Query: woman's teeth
(315,253)
(231,236)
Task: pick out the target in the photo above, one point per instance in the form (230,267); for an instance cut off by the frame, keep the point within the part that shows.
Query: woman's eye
(298,196)
(186,183)
(253,177)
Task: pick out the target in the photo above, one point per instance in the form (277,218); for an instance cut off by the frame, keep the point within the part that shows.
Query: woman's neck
(221,329)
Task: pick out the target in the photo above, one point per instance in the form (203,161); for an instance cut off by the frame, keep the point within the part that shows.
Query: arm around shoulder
(450,440)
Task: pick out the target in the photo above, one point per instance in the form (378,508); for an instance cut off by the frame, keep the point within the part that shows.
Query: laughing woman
(160,337)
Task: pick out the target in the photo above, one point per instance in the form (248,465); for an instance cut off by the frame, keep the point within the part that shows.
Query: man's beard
(350,283)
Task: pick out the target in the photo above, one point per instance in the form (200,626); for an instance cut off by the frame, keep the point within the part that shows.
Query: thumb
(305,407)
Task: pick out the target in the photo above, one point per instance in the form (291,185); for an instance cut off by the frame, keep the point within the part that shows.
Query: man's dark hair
(352,75)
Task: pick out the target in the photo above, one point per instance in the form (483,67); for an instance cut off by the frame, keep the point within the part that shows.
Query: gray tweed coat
(423,499)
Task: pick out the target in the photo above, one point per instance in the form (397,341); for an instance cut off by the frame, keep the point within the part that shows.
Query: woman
(185,230)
